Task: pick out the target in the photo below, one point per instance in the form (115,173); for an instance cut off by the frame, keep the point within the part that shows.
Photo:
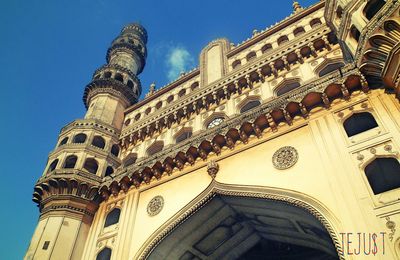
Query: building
(285,145)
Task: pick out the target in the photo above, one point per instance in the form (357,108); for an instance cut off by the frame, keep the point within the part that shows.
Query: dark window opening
(53,165)
(46,245)
(266,48)
(155,148)
(298,31)
(129,160)
(112,217)
(115,150)
(63,141)
(236,64)
(251,56)
(70,162)
(79,138)
(283,39)
(358,123)
(107,75)
(91,165)
(183,136)
(329,68)
(355,33)
(250,105)
(104,254)
(99,142)
(119,77)
(286,88)
(109,171)
(315,22)
(130,84)
(182,93)
(372,8)
(383,174)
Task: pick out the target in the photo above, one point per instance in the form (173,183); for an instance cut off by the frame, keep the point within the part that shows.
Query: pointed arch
(322,214)
(327,66)
(183,134)
(286,85)
(248,103)
(154,148)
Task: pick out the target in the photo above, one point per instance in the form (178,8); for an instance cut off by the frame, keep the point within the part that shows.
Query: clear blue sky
(49,50)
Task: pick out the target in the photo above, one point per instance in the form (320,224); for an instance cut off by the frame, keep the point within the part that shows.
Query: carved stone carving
(285,157)
(155,205)
(391,225)
(212,168)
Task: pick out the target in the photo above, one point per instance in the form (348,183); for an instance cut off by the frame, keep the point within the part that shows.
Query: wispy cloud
(178,60)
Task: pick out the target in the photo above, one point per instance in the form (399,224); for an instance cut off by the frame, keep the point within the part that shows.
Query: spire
(297,7)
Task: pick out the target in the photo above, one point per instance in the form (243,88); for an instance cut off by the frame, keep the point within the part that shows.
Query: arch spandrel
(289,197)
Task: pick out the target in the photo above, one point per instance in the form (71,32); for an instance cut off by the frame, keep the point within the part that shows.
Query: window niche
(359,122)
(383,174)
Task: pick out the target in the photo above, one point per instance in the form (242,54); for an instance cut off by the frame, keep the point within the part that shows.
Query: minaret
(67,194)
(115,85)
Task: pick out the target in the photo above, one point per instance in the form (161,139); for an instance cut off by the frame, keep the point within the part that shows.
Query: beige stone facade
(282,145)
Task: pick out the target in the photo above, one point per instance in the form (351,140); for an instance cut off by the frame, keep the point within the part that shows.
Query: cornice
(91,124)
(230,78)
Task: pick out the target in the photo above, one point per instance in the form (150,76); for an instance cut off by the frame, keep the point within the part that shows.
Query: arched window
(330,67)
(52,166)
(79,138)
(194,85)
(170,99)
(119,77)
(298,31)
(249,105)
(104,254)
(287,87)
(236,64)
(91,165)
(130,84)
(109,170)
(147,111)
(159,105)
(182,93)
(383,174)
(251,55)
(107,75)
(99,142)
(63,141)
(355,33)
(155,148)
(282,39)
(112,217)
(358,123)
(372,8)
(216,121)
(315,22)
(130,159)
(137,117)
(70,162)
(115,150)
(185,134)
(266,48)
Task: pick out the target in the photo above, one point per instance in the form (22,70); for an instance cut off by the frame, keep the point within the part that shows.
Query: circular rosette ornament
(285,157)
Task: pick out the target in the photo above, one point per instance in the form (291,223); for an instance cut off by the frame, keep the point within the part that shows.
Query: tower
(87,150)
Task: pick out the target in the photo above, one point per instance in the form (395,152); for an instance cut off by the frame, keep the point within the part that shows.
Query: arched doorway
(234,225)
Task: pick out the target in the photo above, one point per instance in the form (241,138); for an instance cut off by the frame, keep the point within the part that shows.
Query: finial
(297,7)
(152,89)
(255,32)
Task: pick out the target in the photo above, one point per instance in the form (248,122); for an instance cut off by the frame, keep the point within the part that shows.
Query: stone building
(285,145)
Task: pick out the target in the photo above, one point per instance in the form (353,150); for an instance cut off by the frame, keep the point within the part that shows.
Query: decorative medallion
(212,168)
(155,205)
(285,157)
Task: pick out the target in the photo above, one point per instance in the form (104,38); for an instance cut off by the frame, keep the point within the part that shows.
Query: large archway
(242,225)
